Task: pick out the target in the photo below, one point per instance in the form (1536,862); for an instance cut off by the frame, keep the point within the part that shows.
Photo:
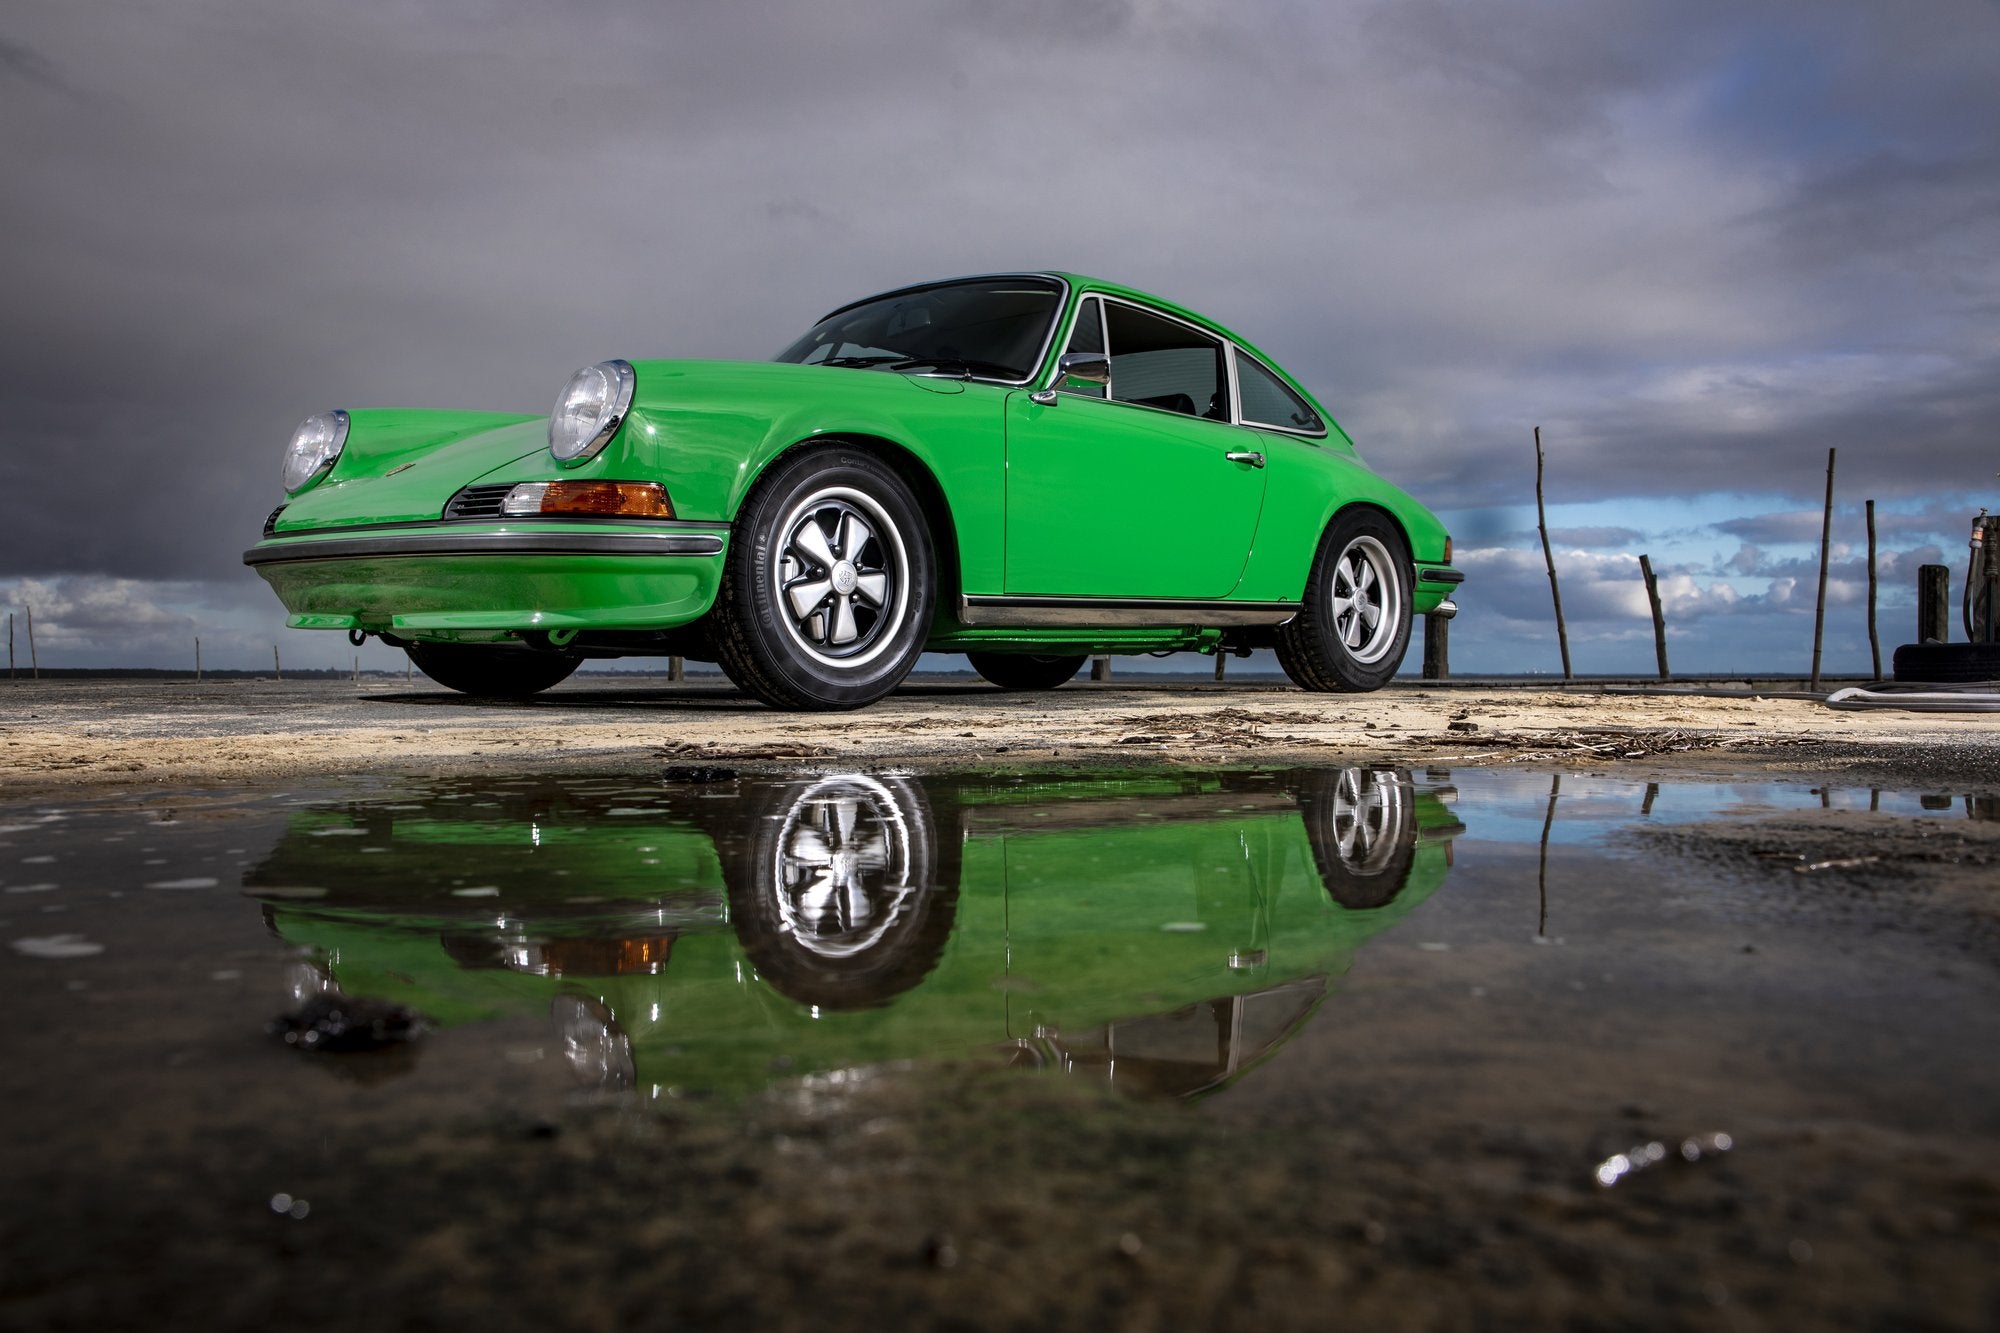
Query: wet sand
(57,735)
(1419,1178)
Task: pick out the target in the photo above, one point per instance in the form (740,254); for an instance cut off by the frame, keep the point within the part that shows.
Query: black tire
(843,894)
(1946,663)
(866,629)
(492,671)
(1362,569)
(1362,826)
(1026,671)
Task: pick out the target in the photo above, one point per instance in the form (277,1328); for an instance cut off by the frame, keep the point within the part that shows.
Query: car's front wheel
(830,583)
(489,671)
(1026,671)
(1354,626)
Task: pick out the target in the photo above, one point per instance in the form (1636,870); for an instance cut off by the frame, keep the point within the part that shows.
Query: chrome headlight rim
(575,435)
(315,447)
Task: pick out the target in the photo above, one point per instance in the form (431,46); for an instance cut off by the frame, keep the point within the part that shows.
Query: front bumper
(448,578)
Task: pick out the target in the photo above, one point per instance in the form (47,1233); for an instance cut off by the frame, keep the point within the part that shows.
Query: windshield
(993,328)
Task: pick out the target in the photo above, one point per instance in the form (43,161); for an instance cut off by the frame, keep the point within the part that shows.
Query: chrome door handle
(1254,460)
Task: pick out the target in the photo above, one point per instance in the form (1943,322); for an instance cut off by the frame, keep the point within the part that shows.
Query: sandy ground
(65,735)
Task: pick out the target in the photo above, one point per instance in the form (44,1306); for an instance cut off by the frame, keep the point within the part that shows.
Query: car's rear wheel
(1354,626)
(828,592)
(491,671)
(1026,671)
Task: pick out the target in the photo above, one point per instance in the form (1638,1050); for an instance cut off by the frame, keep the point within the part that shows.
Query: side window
(1269,401)
(1087,335)
(1161,363)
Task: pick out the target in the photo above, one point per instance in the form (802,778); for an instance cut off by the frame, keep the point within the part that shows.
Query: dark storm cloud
(1696,242)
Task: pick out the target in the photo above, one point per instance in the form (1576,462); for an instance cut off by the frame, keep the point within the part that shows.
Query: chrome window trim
(1322,433)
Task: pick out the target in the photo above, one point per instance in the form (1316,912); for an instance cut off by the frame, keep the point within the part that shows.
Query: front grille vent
(478,502)
(271,523)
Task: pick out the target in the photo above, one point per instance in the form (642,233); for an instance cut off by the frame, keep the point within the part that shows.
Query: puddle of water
(1475,993)
(1167,933)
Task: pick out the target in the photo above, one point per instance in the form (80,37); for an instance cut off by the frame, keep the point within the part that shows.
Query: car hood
(403,465)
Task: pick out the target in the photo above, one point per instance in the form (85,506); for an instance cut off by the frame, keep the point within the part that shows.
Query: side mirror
(1090,367)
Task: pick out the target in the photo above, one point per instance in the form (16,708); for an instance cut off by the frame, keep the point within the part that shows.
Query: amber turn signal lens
(623,499)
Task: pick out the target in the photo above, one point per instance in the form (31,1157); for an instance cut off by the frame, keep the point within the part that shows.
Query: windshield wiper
(856,362)
(990,368)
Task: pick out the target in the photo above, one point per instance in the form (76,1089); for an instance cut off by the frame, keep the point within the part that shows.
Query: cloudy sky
(1697,243)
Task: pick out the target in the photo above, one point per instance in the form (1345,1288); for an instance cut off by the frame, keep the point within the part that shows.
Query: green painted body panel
(407,595)
(1085,497)
(1077,907)
(431,454)
(1110,500)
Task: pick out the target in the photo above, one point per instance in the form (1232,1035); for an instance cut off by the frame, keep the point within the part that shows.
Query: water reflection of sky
(1500,805)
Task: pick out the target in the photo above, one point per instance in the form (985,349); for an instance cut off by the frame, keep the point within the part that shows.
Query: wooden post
(357,668)
(1542,878)
(676,670)
(1542,522)
(1825,542)
(1100,668)
(10,645)
(1659,620)
(1437,648)
(34,662)
(1933,604)
(277,667)
(197,657)
(1221,661)
(1874,639)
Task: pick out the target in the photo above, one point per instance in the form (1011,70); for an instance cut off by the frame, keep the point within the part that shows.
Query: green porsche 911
(1026,468)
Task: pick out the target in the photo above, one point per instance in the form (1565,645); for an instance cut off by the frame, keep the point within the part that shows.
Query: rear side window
(1269,401)
(1162,363)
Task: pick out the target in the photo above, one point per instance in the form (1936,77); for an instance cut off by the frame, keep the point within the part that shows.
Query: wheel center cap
(844,577)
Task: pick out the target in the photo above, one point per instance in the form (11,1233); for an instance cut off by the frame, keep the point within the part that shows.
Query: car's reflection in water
(1164,931)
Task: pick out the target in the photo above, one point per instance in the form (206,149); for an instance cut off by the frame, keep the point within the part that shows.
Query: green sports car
(1163,930)
(1026,468)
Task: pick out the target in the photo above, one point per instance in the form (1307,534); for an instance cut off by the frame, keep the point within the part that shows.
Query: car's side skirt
(1122,612)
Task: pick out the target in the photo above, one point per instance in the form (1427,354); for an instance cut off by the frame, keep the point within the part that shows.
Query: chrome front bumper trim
(281,551)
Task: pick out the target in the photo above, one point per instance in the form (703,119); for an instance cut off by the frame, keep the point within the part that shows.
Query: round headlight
(315,445)
(591,409)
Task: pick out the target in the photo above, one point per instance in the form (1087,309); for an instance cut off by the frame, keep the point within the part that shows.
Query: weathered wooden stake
(1437,648)
(1100,668)
(34,662)
(277,667)
(1542,878)
(1825,544)
(1933,604)
(1542,522)
(1221,661)
(357,668)
(676,670)
(1874,638)
(10,645)
(197,657)
(1659,620)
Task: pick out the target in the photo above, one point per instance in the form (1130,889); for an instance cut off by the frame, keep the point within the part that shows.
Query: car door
(1140,488)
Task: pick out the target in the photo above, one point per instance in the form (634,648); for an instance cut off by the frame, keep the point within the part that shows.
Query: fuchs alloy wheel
(1354,626)
(842,895)
(829,588)
(1026,671)
(1361,824)
(490,671)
